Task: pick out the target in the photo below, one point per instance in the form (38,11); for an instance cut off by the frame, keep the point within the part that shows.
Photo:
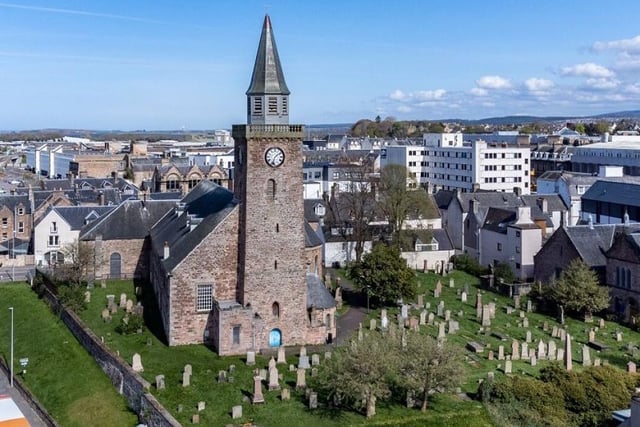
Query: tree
(384,275)
(428,365)
(78,260)
(504,272)
(358,374)
(398,202)
(578,290)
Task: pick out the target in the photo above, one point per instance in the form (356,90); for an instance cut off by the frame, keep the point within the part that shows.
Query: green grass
(60,373)
(157,359)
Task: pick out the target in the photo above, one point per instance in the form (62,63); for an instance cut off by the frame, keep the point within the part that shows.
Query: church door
(114,265)
(275,338)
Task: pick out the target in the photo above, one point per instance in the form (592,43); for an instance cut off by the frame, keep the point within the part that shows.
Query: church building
(241,271)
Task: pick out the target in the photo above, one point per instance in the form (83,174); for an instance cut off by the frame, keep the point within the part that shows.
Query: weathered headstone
(188,369)
(304,362)
(423,317)
(529,307)
(421,300)
(129,306)
(313,400)
(551,352)
(285,394)
(507,367)
(479,305)
(222,376)
(524,351)
(186,379)
(413,323)
(440,308)
(438,290)
(542,350)
(463,297)
(501,352)
(282,356)
(315,359)
(563,335)
(430,318)
(106,315)
(338,294)
(372,324)
(327,355)
(486,316)
(447,315)
(452,283)
(236,412)
(301,380)
(195,419)
(592,335)
(528,337)
(271,363)
(601,324)
(251,358)
(264,374)
(516,302)
(619,336)
(586,356)
(384,322)
(159,382)
(560,355)
(441,332)
(258,397)
(274,383)
(515,350)
(525,323)
(404,311)
(545,326)
(136,364)
(568,362)
(554,332)
(201,406)
(631,367)
(292,368)
(87,297)
(123,300)
(533,360)
(490,357)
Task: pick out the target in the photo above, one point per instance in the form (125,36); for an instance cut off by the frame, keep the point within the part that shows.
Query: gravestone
(327,355)
(236,412)
(315,359)
(441,332)
(188,369)
(492,310)
(475,347)
(490,354)
(466,288)
(338,294)
(222,377)
(314,372)
(534,360)
(586,356)
(413,323)
(304,362)
(129,306)
(292,368)
(516,302)
(525,323)
(597,361)
(430,319)
(404,311)
(563,335)
(313,400)
(560,355)
(285,394)
(423,317)
(438,290)
(251,358)
(619,336)
(372,324)
(195,419)
(186,379)
(592,335)
(452,283)
(554,332)
(274,383)
(479,305)
(282,357)
(631,368)
(601,324)
(136,364)
(507,367)
(440,308)
(453,326)
(568,362)
(542,350)
(123,300)
(529,308)
(447,315)
(114,309)
(420,300)
(264,374)
(501,352)
(528,337)
(272,363)
(258,397)
(301,380)
(106,315)
(110,300)
(515,350)
(463,297)
(551,352)
(159,382)
(545,326)
(524,351)
(201,406)
(486,316)
(87,297)
(522,314)
(384,322)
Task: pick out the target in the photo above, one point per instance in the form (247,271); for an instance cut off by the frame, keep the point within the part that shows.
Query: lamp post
(11,362)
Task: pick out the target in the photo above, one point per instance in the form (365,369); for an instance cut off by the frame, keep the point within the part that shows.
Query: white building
(615,150)
(447,162)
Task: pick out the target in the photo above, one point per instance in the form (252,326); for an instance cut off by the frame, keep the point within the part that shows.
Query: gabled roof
(132,219)
(13,201)
(490,198)
(267,77)
(498,219)
(194,217)
(311,239)
(592,242)
(79,216)
(620,193)
(554,203)
(444,241)
(310,209)
(317,294)
(87,184)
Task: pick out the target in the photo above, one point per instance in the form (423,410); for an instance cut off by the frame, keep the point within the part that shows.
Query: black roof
(497,219)
(621,193)
(12,201)
(193,218)
(311,237)
(132,219)
(444,241)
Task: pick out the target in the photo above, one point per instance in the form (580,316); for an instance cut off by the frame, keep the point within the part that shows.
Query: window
(20,227)
(499,246)
(518,233)
(173,183)
(204,298)
(275,309)
(54,240)
(4,236)
(336,175)
(517,249)
(5,222)
(20,211)
(257,105)
(273,105)
(317,175)
(517,266)
(271,189)
(193,182)
(277,228)
(284,105)
(275,264)
(236,334)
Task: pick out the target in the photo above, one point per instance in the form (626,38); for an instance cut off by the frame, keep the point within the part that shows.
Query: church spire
(268,94)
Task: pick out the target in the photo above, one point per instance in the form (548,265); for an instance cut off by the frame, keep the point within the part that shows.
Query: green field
(60,373)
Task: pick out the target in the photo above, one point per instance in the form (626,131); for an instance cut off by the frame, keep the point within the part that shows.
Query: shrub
(130,324)
(469,265)
(72,298)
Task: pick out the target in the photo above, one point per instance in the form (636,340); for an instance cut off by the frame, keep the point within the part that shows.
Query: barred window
(204,300)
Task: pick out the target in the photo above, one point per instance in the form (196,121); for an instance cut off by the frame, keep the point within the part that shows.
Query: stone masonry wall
(133,257)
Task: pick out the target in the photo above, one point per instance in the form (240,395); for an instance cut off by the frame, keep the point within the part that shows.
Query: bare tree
(78,260)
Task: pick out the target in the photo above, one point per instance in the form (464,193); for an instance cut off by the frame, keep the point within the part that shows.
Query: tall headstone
(447,315)
(507,367)
(529,307)
(515,350)
(463,297)
(533,360)
(136,363)
(186,379)
(315,359)
(123,300)
(421,300)
(631,367)
(568,362)
(542,350)
(479,305)
(501,352)
(301,379)
(423,317)
(452,283)
(528,337)
(524,351)
(282,356)
(188,369)
(258,397)
(441,332)
(486,316)
(313,400)
(236,412)
(586,356)
(160,382)
(551,352)
(405,311)
(274,383)
(272,363)
(441,308)
(592,335)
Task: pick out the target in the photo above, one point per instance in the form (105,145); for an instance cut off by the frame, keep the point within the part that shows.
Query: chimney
(473,206)
(52,162)
(166,250)
(590,222)
(542,204)
(101,198)
(523,215)
(517,191)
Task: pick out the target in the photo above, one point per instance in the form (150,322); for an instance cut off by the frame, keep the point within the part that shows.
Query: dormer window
(20,211)
(54,227)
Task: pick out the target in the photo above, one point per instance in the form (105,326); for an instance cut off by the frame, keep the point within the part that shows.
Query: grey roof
(444,242)
(489,199)
(554,202)
(443,198)
(620,193)
(166,195)
(592,242)
(112,196)
(132,219)
(310,209)
(12,201)
(267,77)
(79,216)
(497,219)
(87,184)
(311,238)
(197,215)
(317,294)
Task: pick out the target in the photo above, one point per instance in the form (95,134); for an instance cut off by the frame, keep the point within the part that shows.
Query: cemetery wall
(124,379)
(26,394)
(415,260)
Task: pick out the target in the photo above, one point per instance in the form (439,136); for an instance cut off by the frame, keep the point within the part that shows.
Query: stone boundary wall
(124,379)
(26,394)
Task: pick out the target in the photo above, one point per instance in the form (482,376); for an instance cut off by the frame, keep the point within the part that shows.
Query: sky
(170,64)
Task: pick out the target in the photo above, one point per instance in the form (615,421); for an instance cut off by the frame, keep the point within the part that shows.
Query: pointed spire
(267,77)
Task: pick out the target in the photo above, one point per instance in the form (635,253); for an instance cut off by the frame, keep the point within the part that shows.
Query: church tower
(268,184)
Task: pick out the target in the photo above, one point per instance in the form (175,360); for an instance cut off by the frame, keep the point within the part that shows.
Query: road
(23,404)
(16,274)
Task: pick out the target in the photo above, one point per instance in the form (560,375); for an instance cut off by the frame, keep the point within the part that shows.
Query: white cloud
(588,69)
(602,84)
(404,109)
(628,45)
(429,95)
(538,85)
(478,91)
(398,95)
(493,82)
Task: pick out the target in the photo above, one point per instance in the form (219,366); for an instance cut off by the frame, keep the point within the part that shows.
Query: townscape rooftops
(79,216)
(184,227)
(12,201)
(87,184)
(622,193)
(592,242)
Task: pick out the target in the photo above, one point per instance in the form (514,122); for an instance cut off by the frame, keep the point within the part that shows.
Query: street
(16,274)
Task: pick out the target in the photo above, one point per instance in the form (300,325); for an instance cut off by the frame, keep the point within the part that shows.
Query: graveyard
(497,336)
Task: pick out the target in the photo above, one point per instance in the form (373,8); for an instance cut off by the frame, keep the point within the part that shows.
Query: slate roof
(11,201)
(310,209)
(318,295)
(444,242)
(443,198)
(165,195)
(79,216)
(620,193)
(497,219)
(87,184)
(132,219)
(554,202)
(267,77)
(489,199)
(185,169)
(206,206)
(311,238)
(112,196)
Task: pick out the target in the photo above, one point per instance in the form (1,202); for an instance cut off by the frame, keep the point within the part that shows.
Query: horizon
(163,66)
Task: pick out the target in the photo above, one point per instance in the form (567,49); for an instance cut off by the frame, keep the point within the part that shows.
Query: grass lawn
(60,373)
(157,359)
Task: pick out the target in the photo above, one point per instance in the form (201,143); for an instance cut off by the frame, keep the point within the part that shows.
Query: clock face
(274,156)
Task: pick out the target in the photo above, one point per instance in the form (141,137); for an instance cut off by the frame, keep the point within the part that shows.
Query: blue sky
(168,64)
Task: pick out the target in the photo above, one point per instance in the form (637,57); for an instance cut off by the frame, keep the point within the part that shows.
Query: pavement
(23,404)
(16,274)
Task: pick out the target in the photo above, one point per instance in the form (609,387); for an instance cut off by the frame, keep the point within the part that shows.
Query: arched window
(315,264)
(275,309)
(271,189)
